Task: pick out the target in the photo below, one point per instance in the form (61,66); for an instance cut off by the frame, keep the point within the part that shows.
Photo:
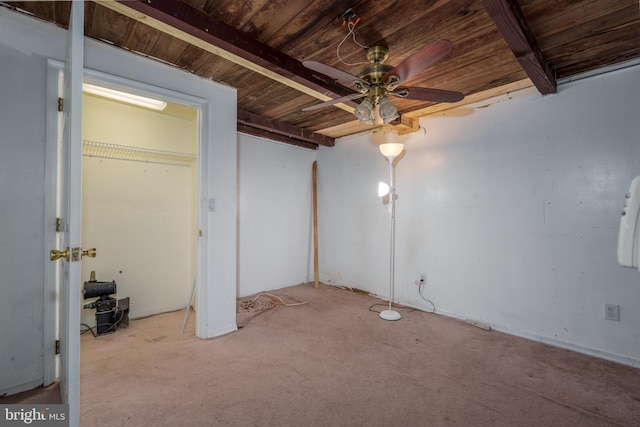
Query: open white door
(70,253)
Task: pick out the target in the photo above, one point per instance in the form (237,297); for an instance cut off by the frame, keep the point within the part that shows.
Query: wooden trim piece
(470,99)
(195,27)
(510,21)
(408,124)
(316,271)
(284,129)
(348,128)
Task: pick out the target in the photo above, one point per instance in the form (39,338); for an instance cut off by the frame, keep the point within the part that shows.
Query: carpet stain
(156,339)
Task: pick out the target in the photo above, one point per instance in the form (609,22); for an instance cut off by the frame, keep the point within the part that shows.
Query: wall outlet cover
(612,312)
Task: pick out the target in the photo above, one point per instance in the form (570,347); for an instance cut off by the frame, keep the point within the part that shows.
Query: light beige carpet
(333,362)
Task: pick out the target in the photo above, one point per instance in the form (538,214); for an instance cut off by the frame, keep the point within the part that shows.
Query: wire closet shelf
(137,154)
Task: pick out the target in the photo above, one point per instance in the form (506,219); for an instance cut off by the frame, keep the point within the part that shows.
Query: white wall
(511,210)
(22,153)
(139,215)
(275,215)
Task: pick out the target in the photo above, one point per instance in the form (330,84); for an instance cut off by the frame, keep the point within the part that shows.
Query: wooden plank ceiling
(258,47)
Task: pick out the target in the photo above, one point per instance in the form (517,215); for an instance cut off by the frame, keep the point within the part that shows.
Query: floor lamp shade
(391,150)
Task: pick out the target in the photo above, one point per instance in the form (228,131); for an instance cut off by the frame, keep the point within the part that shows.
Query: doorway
(139,203)
(181,127)
(216,187)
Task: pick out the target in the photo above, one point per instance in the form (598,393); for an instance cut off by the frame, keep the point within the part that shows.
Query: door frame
(51,212)
(52,188)
(111,81)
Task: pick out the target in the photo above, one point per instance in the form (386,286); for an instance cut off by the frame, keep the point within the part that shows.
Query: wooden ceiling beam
(280,131)
(261,133)
(199,29)
(510,21)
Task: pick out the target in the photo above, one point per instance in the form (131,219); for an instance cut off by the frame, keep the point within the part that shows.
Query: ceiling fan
(377,80)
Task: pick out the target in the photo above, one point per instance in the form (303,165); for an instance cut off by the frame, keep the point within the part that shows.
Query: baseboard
(20,388)
(222,331)
(623,360)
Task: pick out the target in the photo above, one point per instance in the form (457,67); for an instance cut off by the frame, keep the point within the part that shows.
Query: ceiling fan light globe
(388,110)
(387,119)
(364,111)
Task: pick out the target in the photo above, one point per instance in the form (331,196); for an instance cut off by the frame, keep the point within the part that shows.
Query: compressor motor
(110,312)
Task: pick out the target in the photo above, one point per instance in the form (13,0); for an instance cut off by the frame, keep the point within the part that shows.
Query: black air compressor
(110,312)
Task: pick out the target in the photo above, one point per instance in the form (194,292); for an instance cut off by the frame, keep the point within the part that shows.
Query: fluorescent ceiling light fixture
(142,101)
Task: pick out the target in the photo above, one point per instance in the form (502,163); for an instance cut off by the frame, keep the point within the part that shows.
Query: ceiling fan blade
(334,101)
(426,94)
(424,58)
(334,73)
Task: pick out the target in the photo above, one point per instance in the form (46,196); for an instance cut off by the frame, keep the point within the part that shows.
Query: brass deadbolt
(91,253)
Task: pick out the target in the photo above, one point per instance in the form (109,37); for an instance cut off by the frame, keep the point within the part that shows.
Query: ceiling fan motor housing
(377,54)
(374,72)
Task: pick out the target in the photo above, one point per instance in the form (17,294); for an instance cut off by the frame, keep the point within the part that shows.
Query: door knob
(56,255)
(91,253)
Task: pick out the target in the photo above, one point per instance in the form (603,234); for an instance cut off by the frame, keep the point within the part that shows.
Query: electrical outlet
(612,312)
(423,279)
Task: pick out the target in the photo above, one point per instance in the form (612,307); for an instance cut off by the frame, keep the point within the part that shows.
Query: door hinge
(58,225)
(60,104)
(57,346)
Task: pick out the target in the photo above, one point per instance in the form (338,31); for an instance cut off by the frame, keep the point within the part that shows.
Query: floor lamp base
(390,315)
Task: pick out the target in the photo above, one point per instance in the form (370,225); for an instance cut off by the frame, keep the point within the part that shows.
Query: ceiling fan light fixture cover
(388,110)
(364,112)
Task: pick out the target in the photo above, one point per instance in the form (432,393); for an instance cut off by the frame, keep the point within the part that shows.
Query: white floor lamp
(390,151)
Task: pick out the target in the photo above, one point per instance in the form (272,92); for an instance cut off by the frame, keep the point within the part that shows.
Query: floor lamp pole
(390,314)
